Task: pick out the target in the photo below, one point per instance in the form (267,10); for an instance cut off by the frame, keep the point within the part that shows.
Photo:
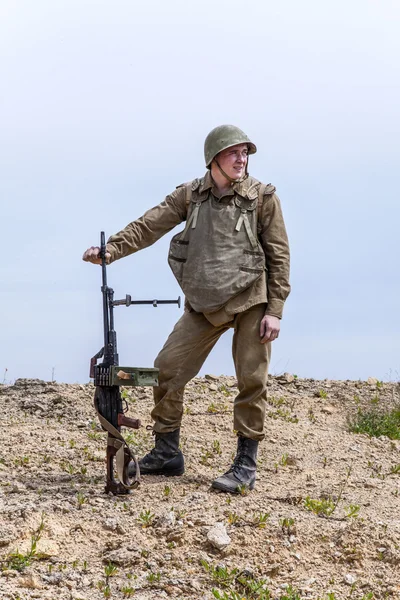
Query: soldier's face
(234,160)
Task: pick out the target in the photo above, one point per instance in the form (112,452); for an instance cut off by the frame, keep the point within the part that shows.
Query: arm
(276,247)
(149,228)
(143,232)
(277,255)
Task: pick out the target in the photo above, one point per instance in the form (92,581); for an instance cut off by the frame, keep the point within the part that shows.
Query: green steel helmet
(224,137)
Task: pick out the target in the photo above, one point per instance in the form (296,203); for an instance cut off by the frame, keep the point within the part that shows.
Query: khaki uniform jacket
(161,219)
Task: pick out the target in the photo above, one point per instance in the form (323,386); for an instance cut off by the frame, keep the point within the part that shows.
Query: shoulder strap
(261,193)
(188,195)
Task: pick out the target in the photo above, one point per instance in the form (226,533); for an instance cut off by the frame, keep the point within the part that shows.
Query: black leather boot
(164,459)
(243,469)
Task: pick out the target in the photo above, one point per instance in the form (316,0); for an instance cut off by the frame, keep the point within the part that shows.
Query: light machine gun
(108,377)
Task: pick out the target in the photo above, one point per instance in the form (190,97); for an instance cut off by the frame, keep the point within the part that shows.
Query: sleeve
(275,243)
(149,228)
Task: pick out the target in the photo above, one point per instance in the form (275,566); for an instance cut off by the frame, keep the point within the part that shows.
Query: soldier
(232,263)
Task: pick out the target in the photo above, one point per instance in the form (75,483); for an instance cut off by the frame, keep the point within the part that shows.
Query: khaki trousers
(184,353)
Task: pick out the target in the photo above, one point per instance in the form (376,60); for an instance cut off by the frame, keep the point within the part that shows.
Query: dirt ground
(155,543)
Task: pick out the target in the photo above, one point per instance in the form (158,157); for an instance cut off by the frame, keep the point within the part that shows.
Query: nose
(241,158)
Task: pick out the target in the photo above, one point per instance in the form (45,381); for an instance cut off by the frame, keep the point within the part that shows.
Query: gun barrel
(124,302)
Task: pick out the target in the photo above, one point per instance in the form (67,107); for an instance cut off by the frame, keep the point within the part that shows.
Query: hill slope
(153,543)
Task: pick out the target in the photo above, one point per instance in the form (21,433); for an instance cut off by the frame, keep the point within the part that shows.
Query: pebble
(349,579)
(30,581)
(167,519)
(218,537)
(7,534)
(297,555)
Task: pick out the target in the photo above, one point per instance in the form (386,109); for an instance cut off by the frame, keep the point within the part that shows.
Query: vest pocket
(177,256)
(253,261)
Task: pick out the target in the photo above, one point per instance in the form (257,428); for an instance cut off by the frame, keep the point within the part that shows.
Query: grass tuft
(376,423)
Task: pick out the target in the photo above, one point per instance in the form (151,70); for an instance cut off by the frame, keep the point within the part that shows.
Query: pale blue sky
(104,107)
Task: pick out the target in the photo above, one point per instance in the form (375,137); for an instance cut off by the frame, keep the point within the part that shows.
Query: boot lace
(238,460)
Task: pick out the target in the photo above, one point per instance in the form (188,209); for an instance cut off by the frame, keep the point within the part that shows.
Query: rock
(218,537)
(372,381)
(213,387)
(167,519)
(329,410)
(286,378)
(349,579)
(122,558)
(7,534)
(211,377)
(30,581)
(18,488)
(112,524)
(231,382)
(53,578)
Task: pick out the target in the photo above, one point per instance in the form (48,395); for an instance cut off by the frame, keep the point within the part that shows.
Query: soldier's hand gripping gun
(108,377)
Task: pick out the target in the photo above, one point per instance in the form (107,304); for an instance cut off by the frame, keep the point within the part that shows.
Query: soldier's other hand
(92,255)
(269,328)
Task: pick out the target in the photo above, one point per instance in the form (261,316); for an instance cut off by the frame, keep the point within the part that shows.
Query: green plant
(16,560)
(376,423)
(167,491)
(180,513)
(217,407)
(233,518)
(205,456)
(290,594)
(81,499)
(153,577)
(285,414)
(219,574)
(110,570)
(260,519)
(21,461)
(95,435)
(216,447)
(284,460)
(322,394)
(395,469)
(311,415)
(324,507)
(353,511)
(287,525)
(243,489)
(128,591)
(146,518)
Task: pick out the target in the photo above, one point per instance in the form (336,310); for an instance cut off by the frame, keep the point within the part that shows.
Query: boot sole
(225,488)
(172,473)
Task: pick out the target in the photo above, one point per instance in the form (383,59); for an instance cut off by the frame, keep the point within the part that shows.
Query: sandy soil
(154,543)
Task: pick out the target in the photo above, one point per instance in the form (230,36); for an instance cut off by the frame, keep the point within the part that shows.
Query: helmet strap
(230,179)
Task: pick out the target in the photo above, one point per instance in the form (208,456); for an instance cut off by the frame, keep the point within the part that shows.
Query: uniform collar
(242,188)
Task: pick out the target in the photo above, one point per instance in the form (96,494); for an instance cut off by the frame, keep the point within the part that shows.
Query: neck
(222,184)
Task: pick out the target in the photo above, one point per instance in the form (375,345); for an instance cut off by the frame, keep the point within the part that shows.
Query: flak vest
(218,255)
